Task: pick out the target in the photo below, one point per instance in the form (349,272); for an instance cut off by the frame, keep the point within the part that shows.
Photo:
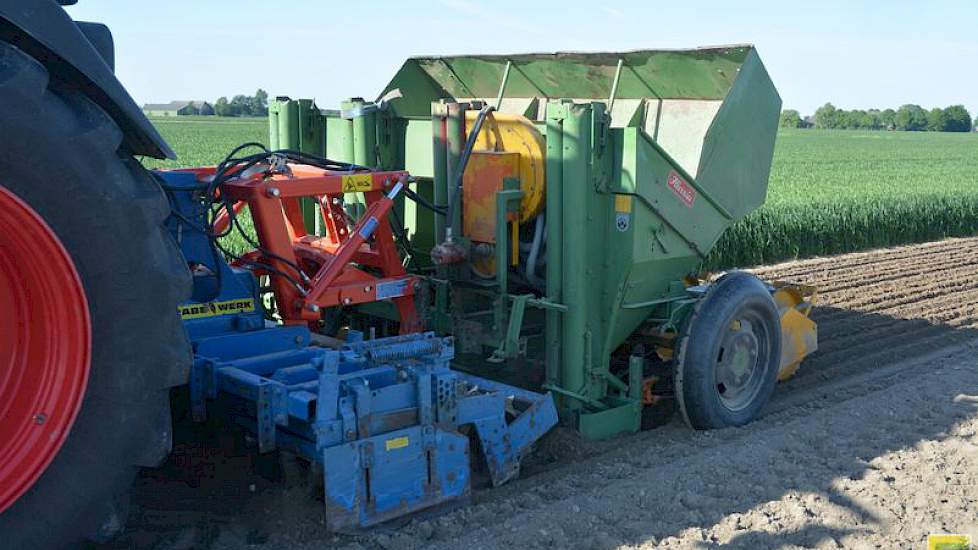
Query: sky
(854,54)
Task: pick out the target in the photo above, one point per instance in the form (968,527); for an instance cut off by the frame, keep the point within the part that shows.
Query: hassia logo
(949,542)
(681,189)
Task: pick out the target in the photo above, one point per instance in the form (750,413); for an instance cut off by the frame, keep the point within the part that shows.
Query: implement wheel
(729,354)
(90,339)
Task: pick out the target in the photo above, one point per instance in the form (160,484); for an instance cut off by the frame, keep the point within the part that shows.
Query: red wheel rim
(45,346)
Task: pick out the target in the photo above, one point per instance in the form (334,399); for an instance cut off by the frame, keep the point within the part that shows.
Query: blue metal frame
(386,418)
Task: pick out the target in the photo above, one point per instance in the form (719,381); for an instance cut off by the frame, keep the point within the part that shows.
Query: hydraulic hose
(531,261)
(462,163)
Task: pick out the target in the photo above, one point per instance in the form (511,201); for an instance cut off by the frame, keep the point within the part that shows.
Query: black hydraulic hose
(261,265)
(230,167)
(463,161)
(423,202)
(538,239)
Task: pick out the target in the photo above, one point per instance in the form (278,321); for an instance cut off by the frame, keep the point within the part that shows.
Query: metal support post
(455,138)
(577,189)
(636,365)
(439,145)
(555,186)
(506,320)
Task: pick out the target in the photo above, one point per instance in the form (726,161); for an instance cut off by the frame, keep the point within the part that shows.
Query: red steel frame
(334,265)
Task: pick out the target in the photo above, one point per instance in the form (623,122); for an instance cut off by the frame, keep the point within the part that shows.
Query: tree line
(243,105)
(910,118)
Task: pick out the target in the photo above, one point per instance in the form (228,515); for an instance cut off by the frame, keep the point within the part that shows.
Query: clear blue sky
(854,54)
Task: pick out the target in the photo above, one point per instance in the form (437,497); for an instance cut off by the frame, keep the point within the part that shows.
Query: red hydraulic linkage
(333,266)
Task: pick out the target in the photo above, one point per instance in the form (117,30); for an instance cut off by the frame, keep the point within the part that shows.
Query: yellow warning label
(357,182)
(213,309)
(396,443)
(948,542)
(623,204)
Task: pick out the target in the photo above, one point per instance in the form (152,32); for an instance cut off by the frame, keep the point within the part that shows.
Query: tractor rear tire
(729,354)
(63,156)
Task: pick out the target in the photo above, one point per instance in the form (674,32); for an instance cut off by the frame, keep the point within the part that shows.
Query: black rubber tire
(61,154)
(694,377)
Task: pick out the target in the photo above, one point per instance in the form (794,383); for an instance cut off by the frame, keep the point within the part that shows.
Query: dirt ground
(872,445)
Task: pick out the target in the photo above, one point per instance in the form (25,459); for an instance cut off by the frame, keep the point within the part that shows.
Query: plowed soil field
(872,444)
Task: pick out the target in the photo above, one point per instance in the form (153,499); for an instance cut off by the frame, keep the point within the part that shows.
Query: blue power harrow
(387,419)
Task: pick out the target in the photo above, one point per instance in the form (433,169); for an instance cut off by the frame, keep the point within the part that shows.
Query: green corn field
(831,191)
(835,191)
(205,141)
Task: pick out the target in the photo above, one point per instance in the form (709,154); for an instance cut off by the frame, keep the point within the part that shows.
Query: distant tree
(912,118)
(241,105)
(828,117)
(958,119)
(222,107)
(888,119)
(873,120)
(843,119)
(259,103)
(936,120)
(855,119)
(791,119)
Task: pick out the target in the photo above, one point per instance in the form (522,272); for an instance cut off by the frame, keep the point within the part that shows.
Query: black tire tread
(694,400)
(63,158)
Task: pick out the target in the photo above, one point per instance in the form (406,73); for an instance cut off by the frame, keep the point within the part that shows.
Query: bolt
(273,192)
(313,308)
(298,339)
(367,288)
(347,301)
(40,418)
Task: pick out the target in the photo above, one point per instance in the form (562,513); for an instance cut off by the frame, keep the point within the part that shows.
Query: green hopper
(569,256)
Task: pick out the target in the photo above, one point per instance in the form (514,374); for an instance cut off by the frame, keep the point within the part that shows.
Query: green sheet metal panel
(713,111)
(738,147)
(418,157)
(339,138)
(704,73)
(656,243)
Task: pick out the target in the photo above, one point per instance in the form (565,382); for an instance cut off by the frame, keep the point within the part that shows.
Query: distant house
(178,108)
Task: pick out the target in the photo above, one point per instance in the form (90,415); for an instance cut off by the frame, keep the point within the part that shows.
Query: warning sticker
(681,189)
(213,309)
(623,204)
(357,182)
(392,289)
(396,443)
